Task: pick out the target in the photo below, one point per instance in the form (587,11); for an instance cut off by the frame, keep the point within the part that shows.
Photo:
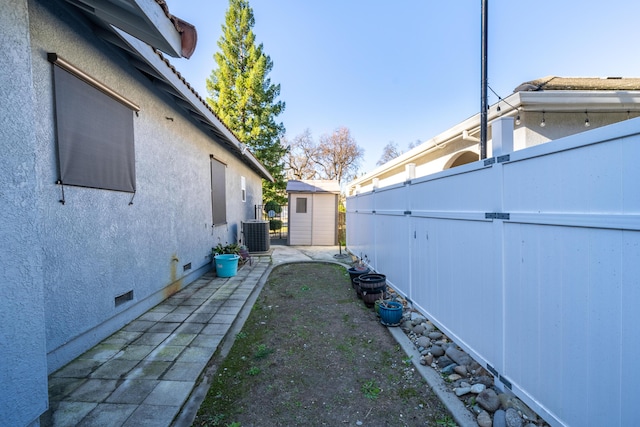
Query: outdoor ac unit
(256,235)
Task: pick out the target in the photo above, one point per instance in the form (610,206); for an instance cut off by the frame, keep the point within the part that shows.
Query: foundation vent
(121,299)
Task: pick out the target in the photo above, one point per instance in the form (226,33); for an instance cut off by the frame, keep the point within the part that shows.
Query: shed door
(323,228)
(300,219)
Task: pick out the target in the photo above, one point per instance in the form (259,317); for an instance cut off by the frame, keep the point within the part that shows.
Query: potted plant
(390,312)
(244,254)
(225,259)
(232,248)
(373,287)
(358,269)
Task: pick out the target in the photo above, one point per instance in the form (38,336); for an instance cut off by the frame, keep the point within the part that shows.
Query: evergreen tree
(244,98)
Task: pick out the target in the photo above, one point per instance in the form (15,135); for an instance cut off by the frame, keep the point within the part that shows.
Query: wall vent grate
(121,299)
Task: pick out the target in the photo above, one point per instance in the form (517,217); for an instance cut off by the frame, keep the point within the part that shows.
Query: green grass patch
(302,359)
(262,351)
(236,374)
(370,389)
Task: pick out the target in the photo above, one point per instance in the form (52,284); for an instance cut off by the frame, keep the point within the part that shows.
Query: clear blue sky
(408,70)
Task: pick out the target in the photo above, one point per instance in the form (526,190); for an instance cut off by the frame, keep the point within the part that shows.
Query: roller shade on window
(95,136)
(218,191)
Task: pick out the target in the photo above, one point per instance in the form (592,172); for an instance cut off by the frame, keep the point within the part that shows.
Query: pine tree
(242,95)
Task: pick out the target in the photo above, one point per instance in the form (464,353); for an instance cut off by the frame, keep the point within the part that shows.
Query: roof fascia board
(570,100)
(164,26)
(169,78)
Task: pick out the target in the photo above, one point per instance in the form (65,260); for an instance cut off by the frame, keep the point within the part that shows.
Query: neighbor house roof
(580,83)
(313,186)
(550,94)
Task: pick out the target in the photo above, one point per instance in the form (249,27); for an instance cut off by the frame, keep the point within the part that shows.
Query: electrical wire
(500,98)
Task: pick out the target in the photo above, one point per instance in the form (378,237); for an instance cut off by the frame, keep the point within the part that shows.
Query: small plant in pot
(225,259)
(356,271)
(390,312)
(221,249)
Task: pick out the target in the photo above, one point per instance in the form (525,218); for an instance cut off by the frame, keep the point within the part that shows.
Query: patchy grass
(310,354)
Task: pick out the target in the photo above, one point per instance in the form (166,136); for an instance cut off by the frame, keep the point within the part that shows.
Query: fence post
(502,136)
(410,171)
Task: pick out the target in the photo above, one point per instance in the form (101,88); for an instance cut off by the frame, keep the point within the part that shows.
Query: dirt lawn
(311,354)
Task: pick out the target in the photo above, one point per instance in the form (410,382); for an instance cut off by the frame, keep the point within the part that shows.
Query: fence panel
(570,266)
(531,264)
(454,285)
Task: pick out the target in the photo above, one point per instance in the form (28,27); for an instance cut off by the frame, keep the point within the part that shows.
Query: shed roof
(313,186)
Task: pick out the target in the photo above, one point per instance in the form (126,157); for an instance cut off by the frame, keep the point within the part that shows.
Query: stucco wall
(558,125)
(96,245)
(23,373)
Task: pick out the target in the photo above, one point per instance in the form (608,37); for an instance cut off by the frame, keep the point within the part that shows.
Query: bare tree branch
(302,157)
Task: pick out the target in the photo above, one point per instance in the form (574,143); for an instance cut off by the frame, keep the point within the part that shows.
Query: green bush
(272,206)
(275,224)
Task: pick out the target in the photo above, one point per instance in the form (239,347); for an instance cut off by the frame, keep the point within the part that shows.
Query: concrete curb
(462,416)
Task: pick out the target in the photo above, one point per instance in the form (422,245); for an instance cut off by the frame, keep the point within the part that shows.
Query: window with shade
(94,127)
(218,191)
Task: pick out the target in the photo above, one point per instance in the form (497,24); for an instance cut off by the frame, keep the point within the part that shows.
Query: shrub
(272,206)
(275,224)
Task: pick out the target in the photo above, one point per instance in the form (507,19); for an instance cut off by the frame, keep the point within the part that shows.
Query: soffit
(157,68)
(147,20)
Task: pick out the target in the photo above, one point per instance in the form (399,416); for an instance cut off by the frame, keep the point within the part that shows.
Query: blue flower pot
(390,313)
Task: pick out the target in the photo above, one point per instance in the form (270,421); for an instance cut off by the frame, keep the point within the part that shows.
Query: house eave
(146,20)
(571,100)
(166,78)
(534,101)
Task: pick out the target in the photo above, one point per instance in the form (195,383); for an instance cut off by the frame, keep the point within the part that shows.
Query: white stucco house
(541,110)
(116,181)
(313,212)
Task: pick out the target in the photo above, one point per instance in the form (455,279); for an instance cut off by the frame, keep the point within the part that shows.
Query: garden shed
(313,212)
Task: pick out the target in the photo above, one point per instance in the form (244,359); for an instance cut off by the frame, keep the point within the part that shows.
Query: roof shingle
(580,83)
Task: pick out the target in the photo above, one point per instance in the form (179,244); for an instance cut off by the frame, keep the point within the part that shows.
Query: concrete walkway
(143,374)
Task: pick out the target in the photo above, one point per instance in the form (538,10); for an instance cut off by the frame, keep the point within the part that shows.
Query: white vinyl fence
(530,262)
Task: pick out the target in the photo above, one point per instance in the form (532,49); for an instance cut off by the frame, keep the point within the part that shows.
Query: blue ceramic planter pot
(390,313)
